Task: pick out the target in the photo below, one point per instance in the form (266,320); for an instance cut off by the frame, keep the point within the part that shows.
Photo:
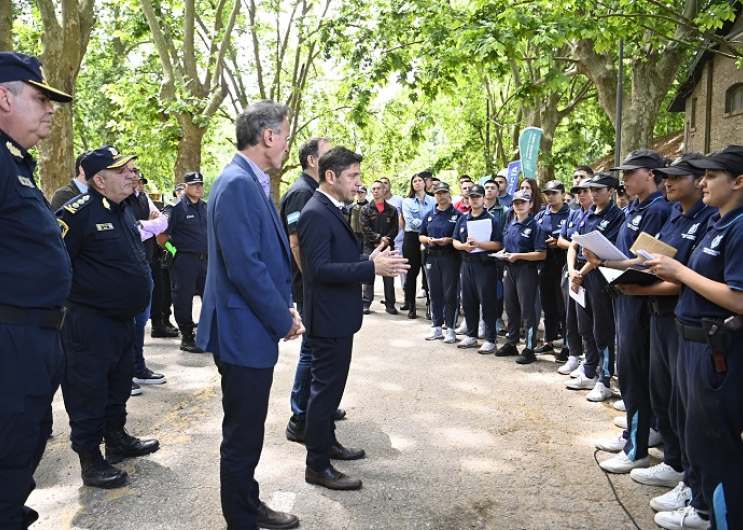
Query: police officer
(478,272)
(647,213)
(524,245)
(442,263)
(551,220)
(596,317)
(33,286)
(185,239)
(111,285)
(709,365)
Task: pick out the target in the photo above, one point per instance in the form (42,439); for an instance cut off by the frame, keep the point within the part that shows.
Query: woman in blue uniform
(442,263)
(710,365)
(596,319)
(415,208)
(524,246)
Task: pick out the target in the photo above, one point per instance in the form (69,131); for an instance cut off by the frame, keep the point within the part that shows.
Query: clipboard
(650,244)
(614,276)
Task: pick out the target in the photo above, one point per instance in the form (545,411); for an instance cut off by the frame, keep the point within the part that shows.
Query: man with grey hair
(248,307)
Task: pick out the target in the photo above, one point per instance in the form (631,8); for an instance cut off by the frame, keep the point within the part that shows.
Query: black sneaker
(148,377)
(506,350)
(545,348)
(527,356)
(136,389)
(562,357)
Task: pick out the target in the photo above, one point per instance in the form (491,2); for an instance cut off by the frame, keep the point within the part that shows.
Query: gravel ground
(454,441)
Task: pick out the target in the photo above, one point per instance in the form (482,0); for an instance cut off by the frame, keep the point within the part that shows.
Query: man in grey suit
(247,306)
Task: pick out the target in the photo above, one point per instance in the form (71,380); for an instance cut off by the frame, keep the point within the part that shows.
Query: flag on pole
(514,169)
(529,148)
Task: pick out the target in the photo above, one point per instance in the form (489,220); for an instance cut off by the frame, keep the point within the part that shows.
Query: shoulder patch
(77,204)
(292,218)
(25,181)
(13,150)
(63,227)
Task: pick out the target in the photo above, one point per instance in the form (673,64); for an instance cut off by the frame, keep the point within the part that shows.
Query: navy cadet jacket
(551,224)
(333,270)
(187,226)
(646,216)
(110,272)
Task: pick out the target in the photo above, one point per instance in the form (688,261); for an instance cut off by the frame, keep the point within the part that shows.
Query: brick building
(712,97)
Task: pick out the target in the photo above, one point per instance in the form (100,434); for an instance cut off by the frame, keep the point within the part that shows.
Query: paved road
(454,441)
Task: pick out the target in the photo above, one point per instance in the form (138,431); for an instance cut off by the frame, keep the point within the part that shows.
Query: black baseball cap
(554,185)
(521,196)
(646,158)
(477,190)
(601,180)
(440,186)
(729,159)
(194,177)
(682,166)
(106,157)
(22,67)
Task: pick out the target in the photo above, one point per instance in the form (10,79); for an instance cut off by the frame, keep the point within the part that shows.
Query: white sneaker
(678,497)
(572,364)
(613,445)
(421,293)
(467,342)
(462,329)
(436,334)
(685,518)
(619,405)
(619,463)
(582,383)
(451,337)
(487,347)
(659,475)
(621,422)
(578,371)
(599,393)
(654,439)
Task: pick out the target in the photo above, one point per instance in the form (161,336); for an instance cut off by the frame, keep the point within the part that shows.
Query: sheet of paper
(579,297)
(480,230)
(610,274)
(599,245)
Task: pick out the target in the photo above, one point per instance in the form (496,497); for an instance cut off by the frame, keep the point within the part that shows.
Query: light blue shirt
(414,211)
(82,187)
(263,179)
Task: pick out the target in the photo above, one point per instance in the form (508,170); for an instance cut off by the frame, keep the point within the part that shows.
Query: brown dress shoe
(268,518)
(331,478)
(338,452)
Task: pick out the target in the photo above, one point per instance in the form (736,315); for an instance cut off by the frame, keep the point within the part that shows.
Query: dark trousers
(98,376)
(573,340)
(245,393)
(188,276)
(31,368)
(632,318)
(162,297)
(479,293)
(411,249)
(550,294)
(442,273)
(367,292)
(300,395)
(711,406)
(520,292)
(596,327)
(331,360)
(140,322)
(664,344)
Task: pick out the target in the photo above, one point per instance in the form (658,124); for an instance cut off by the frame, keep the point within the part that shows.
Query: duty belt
(522,262)
(439,253)
(90,310)
(24,316)
(692,333)
(478,257)
(201,257)
(662,305)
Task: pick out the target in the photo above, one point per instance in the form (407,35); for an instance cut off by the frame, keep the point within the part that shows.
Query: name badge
(104,227)
(190,216)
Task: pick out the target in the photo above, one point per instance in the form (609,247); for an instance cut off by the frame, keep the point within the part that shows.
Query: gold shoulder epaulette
(76,204)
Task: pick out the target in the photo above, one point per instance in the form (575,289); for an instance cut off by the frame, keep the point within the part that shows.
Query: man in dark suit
(247,306)
(75,187)
(333,274)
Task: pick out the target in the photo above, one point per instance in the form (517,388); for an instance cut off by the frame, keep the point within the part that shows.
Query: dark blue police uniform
(710,405)
(33,286)
(442,266)
(572,336)
(550,273)
(187,231)
(632,321)
(596,319)
(521,280)
(681,231)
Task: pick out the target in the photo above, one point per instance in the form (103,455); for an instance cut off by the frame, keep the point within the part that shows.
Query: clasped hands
(297,327)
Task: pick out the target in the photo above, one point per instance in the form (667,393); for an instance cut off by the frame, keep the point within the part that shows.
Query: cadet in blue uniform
(647,213)
(524,245)
(551,220)
(572,337)
(442,263)
(479,275)
(596,319)
(111,285)
(33,287)
(686,224)
(185,238)
(709,365)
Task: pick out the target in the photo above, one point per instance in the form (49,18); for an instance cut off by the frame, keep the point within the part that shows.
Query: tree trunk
(56,153)
(189,147)
(6,26)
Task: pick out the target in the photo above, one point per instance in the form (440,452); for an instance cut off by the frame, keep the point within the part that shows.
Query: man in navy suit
(247,306)
(333,274)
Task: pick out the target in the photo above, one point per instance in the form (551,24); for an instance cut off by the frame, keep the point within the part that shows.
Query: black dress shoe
(527,356)
(338,452)
(367,311)
(412,312)
(188,343)
(268,518)
(331,478)
(391,310)
(405,306)
(120,445)
(295,431)
(98,473)
(339,414)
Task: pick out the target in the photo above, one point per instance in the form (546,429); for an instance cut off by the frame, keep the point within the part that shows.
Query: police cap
(521,196)
(22,67)
(194,177)
(478,190)
(106,157)
(601,180)
(646,158)
(554,185)
(729,159)
(682,166)
(440,186)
